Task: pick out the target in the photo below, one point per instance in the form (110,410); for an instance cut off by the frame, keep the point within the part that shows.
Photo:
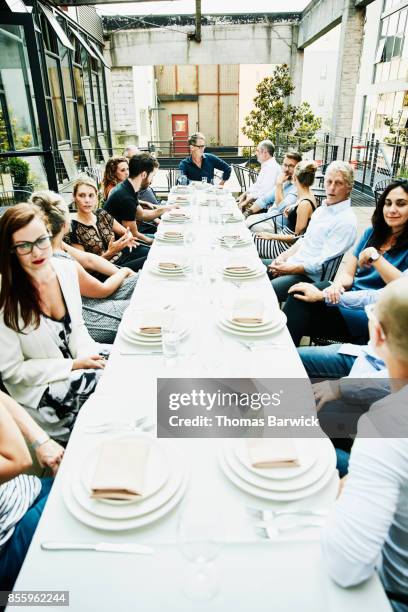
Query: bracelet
(40,441)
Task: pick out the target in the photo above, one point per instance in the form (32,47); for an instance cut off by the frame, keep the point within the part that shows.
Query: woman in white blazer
(48,361)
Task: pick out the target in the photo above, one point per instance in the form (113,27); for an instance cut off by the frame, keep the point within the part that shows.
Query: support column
(296,67)
(348,68)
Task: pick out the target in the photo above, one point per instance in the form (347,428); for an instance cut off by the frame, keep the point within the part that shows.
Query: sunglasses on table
(24,248)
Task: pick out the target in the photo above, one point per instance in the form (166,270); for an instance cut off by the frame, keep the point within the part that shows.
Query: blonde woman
(96,231)
(271,245)
(103,303)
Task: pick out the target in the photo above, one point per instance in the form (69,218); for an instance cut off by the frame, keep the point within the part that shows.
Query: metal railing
(373,161)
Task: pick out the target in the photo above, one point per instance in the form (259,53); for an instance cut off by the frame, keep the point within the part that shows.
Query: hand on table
(94,362)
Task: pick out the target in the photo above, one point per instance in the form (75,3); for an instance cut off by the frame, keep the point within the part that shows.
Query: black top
(292,215)
(122,202)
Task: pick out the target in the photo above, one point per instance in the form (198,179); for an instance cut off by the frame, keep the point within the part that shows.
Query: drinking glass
(200,535)
(170,343)
(204,180)
(189,238)
(182,179)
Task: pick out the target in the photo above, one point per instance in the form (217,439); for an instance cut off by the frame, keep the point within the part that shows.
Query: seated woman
(22,497)
(48,361)
(116,171)
(270,245)
(94,230)
(103,303)
(380,256)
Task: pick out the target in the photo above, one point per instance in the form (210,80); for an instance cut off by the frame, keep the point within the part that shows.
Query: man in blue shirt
(283,195)
(201,165)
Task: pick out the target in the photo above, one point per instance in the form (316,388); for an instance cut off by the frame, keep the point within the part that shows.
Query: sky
(208,6)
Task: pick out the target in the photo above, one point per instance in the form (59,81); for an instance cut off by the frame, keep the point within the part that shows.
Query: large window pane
(16,88)
(65,71)
(55,88)
(80,96)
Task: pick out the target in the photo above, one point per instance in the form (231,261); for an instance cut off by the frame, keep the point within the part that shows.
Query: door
(179,128)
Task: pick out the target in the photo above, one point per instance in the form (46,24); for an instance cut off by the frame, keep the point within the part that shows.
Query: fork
(271,532)
(139,423)
(269,515)
(253,345)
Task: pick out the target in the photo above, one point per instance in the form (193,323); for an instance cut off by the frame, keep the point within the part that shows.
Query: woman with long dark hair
(381,255)
(48,361)
(116,171)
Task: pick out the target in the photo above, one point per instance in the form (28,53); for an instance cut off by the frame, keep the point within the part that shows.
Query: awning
(63,38)
(17,6)
(83,43)
(99,54)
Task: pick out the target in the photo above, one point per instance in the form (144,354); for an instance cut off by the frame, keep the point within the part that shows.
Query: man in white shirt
(368,526)
(269,172)
(331,232)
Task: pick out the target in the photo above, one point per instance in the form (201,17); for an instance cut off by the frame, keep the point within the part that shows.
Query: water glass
(182,179)
(170,343)
(204,180)
(200,535)
(189,238)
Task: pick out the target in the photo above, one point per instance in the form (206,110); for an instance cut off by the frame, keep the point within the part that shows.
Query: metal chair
(379,188)
(239,173)
(10,198)
(95,173)
(172,177)
(330,267)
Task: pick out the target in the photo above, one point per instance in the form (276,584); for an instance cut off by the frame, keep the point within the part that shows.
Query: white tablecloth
(285,575)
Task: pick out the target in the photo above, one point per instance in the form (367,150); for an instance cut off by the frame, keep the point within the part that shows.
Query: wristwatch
(374,255)
(40,441)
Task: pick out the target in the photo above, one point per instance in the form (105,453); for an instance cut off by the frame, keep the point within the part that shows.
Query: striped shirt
(16,496)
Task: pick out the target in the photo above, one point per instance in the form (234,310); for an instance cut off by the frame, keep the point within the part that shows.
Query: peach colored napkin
(120,469)
(247,310)
(153,321)
(173,234)
(177,213)
(169,265)
(237,268)
(272,452)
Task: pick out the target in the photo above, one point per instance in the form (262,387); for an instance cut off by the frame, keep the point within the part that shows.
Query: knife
(139,549)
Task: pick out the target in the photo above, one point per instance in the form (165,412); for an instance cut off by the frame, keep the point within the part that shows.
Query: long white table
(284,575)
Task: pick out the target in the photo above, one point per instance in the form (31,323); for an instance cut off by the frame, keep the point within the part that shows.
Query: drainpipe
(196,35)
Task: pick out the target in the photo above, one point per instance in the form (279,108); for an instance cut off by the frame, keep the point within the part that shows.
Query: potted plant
(20,171)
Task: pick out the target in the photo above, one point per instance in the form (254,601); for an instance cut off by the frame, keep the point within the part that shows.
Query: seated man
(200,165)
(368,526)
(123,203)
(283,195)
(147,197)
(332,231)
(269,172)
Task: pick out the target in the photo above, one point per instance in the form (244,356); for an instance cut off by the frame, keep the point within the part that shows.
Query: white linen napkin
(272,452)
(120,469)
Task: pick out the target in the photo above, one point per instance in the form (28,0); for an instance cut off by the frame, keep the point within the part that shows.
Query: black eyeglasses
(199,146)
(24,248)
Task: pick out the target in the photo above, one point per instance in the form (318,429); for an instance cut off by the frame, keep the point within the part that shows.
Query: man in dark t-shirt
(122,202)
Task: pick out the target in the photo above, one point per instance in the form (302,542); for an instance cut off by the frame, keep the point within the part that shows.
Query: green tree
(273,116)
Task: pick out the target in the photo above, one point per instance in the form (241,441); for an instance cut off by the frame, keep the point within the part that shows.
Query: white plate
(142,507)
(155,341)
(156,472)
(253,333)
(113,525)
(277,495)
(306,479)
(168,273)
(308,450)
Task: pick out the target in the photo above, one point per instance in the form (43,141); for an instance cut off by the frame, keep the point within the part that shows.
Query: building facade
(53,98)
(381,105)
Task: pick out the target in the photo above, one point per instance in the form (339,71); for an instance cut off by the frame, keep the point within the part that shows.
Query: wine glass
(200,535)
(189,238)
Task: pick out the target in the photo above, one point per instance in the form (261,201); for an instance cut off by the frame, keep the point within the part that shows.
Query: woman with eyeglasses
(48,361)
(103,303)
(336,311)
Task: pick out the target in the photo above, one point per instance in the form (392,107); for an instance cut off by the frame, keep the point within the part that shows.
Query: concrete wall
(177,108)
(319,17)
(233,44)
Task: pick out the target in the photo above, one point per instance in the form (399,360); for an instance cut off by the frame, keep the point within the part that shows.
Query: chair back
(239,173)
(379,188)
(95,173)
(330,267)
(10,198)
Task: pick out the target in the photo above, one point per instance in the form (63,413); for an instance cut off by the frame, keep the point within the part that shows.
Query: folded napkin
(235,237)
(247,310)
(173,234)
(237,269)
(181,198)
(177,213)
(272,452)
(120,469)
(152,322)
(169,265)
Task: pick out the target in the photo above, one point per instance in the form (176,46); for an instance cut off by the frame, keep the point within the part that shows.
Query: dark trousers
(15,550)
(133,259)
(282,284)
(318,319)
